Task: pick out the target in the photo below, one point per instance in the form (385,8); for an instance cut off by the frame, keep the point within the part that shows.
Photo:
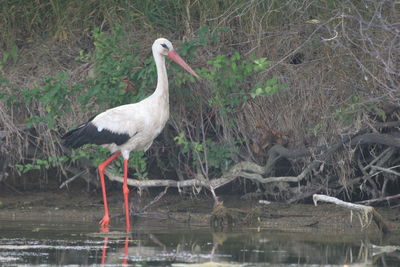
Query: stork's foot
(125,191)
(105,222)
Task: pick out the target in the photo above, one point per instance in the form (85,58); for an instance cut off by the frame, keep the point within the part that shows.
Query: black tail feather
(77,137)
(88,133)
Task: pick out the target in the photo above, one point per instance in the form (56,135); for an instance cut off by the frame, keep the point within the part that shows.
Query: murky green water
(80,243)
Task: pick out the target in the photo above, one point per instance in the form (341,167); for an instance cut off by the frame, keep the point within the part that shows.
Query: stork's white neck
(162,78)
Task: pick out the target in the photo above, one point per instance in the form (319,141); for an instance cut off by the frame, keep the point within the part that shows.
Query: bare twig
(388,170)
(332,38)
(379,199)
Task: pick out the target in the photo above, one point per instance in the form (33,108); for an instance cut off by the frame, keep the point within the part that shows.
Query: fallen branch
(170,183)
(243,169)
(200,180)
(366,214)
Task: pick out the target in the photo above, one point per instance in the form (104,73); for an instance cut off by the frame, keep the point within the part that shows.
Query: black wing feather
(87,133)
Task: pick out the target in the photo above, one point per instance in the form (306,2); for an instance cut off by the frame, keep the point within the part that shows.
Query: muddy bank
(173,209)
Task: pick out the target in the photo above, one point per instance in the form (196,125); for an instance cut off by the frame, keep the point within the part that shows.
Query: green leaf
(271,82)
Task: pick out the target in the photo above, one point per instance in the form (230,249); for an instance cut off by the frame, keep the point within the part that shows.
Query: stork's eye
(165,46)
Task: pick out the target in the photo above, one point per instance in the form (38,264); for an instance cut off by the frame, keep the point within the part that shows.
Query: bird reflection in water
(190,251)
(105,230)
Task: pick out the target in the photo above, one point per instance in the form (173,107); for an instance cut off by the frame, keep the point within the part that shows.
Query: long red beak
(177,58)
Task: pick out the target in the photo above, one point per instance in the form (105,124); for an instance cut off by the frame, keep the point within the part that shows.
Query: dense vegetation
(295,97)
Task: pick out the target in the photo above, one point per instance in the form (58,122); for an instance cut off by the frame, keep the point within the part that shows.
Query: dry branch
(243,169)
(380,199)
(200,180)
(366,214)
(388,170)
(376,138)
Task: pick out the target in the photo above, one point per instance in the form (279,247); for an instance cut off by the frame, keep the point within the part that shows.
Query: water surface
(61,242)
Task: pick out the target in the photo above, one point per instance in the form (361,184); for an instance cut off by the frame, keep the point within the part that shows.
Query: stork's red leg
(104,250)
(106,219)
(125,191)
(126,248)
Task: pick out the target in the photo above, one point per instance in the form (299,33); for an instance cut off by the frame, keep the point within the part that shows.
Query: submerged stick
(366,214)
(73,178)
(157,198)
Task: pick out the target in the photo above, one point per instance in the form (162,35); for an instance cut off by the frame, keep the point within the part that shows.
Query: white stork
(129,127)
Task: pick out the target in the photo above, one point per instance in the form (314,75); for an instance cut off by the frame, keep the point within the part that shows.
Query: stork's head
(164,47)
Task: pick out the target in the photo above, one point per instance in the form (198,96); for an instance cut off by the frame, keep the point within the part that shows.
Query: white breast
(143,121)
